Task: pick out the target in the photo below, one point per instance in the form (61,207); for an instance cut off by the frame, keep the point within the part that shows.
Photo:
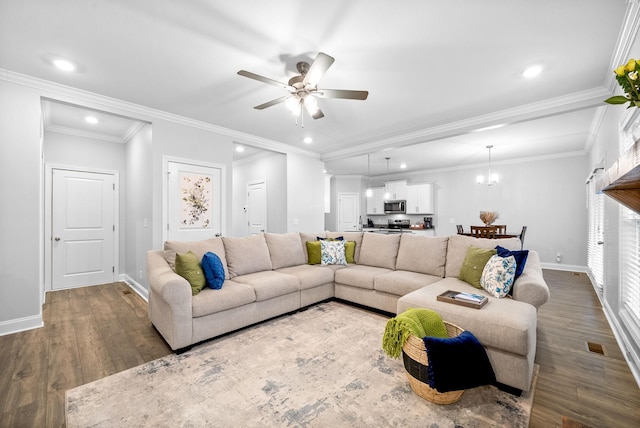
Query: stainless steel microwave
(395,207)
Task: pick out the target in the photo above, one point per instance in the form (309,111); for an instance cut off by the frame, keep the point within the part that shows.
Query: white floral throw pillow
(333,253)
(498,275)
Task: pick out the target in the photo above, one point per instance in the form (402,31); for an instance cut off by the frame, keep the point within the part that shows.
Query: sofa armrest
(531,287)
(170,301)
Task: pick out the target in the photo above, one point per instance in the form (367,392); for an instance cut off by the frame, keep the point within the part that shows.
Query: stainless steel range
(399,223)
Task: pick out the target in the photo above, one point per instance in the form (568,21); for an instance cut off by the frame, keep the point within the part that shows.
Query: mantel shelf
(622,180)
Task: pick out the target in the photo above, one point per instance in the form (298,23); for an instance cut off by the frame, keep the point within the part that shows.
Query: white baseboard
(140,289)
(21,324)
(563,267)
(632,359)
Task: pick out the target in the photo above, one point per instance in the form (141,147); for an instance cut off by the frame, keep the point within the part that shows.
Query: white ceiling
(435,70)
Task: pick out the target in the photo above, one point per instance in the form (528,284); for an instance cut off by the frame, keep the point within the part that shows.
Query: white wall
(91,154)
(138,209)
(305,193)
(271,167)
(546,195)
(21,209)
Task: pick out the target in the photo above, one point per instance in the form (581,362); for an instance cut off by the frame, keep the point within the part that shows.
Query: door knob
(57,238)
(218,235)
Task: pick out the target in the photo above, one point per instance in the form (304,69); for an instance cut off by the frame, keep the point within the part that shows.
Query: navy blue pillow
(213,270)
(520,256)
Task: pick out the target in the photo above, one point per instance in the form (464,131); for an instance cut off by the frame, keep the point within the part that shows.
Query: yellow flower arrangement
(627,77)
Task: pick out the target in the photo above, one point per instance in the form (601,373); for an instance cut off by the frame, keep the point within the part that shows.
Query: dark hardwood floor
(93,332)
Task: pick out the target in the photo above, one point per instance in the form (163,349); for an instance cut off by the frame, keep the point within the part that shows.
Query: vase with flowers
(627,77)
(488,217)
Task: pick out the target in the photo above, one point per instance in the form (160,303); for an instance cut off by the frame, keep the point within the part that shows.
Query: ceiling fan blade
(259,78)
(317,70)
(272,103)
(341,93)
(318,114)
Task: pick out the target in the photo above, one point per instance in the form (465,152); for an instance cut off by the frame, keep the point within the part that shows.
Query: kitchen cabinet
(375,203)
(397,190)
(420,199)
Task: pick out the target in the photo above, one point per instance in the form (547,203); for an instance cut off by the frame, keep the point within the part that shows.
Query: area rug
(322,367)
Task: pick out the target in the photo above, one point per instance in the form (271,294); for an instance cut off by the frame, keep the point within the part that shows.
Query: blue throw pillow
(213,270)
(520,256)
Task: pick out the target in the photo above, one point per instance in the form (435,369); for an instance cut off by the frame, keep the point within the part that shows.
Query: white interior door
(348,211)
(257,207)
(193,201)
(82,228)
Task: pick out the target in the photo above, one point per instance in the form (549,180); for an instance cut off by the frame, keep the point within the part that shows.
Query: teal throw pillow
(213,270)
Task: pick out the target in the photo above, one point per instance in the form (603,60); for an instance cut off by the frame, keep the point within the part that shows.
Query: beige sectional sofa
(268,275)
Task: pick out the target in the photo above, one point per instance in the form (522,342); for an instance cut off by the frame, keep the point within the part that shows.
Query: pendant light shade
(491,179)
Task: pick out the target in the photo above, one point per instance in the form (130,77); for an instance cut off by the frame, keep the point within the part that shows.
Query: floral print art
(196,200)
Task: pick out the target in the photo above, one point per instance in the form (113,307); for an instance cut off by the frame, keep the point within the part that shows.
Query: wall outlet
(452,221)
(558,257)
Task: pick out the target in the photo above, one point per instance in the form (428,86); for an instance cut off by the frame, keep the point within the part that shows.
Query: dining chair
(460,228)
(483,232)
(524,230)
(500,228)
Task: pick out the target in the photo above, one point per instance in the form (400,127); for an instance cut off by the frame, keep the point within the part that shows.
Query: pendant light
(386,190)
(491,178)
(369,192)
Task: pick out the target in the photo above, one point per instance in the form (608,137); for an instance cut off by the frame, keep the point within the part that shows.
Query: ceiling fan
(303,89)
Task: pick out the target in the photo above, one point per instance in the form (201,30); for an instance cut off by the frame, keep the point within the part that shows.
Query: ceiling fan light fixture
(293,105)
(311,104)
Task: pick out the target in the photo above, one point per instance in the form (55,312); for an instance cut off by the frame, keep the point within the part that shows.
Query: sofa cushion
(379,250)
(231,295)
(199,248)
(285,249)
(333,253)
(213,270)
(247,255)
(457,250)
(360,276)
(422,254)
(188,267)
(314,252)
(507,324)
(269,284)
(310,276)
(349,236)
(309,237)
(498,275)
(401,282)
(474,263)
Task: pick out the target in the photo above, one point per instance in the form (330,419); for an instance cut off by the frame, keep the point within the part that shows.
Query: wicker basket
(414,356)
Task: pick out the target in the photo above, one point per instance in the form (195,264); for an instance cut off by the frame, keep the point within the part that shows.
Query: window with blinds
(595,239)
(630,269)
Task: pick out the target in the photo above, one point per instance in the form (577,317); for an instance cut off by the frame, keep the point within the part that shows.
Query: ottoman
(507,329)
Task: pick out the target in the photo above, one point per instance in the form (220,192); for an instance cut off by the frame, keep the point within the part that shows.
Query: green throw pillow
(314,251)
(350,251)
(473,265)
(188,267)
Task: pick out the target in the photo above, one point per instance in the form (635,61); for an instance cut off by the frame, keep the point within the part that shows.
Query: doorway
(257,207)
(81,226)
(348,212)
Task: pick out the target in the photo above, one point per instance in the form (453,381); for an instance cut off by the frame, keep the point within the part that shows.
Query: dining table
(497,235)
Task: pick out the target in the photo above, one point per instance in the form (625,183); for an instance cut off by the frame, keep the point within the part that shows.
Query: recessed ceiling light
(403,165)
(532,71)
(308,140)
(239,149)
(64,65)
(91,119)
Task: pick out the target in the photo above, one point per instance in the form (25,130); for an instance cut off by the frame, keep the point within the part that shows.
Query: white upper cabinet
(420,199)
(397,190)
(375,203)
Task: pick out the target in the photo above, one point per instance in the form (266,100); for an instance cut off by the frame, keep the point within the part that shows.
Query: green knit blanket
(419,322)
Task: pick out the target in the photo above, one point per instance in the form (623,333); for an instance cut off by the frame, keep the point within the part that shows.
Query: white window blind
(630,268)
(595,251)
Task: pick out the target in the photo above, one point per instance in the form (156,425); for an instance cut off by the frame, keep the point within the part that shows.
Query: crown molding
(73,95)
(626,38)
(563,104)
